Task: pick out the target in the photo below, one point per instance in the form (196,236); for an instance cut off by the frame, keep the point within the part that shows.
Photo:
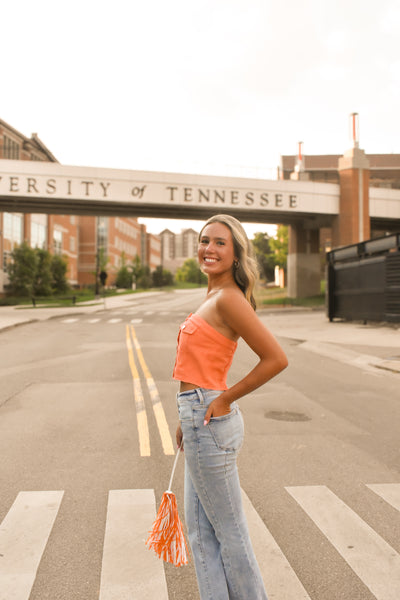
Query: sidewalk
(12,316)
(374,344)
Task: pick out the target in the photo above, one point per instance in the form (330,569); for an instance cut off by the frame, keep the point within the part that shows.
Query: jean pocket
(185,411)
(228,430)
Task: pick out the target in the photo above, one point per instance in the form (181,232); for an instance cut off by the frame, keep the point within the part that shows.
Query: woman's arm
(241,318)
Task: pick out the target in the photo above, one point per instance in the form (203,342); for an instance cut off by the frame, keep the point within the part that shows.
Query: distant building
(384,171)
(78,238)
(57,233)
(178,247)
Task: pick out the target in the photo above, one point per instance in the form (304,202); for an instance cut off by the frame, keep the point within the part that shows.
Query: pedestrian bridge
(351,208)
(52,188)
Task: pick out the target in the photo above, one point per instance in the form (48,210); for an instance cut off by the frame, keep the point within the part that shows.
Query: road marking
(93,320)
(114,321)
(69,321)
(371,558)
(149,312)
(23,537)
(159,413)
(129,569)
(136,321)
(280,580)
(142,425)
(388,491)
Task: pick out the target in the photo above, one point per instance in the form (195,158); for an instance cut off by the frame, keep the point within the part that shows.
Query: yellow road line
(142,425)
(159,413)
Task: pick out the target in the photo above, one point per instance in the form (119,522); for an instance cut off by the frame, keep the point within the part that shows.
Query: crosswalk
(126,317)
(130,571)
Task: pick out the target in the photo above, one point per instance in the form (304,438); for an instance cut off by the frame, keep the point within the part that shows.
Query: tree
(145,280)
(264,255)
(136,269)
(124,275)
(43,281)
(22,270)
(280,246)
(190,272)
(59,268)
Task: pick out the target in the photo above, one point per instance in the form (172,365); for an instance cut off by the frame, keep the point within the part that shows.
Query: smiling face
(215,251)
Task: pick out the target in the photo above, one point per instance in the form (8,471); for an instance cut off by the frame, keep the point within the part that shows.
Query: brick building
(384,172)
(78,238)
(58,233)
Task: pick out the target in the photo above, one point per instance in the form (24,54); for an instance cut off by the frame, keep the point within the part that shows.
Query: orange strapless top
(203,355)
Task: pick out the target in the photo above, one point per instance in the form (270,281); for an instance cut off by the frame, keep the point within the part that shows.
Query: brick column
(352,225)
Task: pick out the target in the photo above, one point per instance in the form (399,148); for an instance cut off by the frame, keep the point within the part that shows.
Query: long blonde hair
(245,269)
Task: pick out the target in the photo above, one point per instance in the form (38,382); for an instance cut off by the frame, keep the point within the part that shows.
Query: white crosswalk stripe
(114,320)
(71,320)
(279,578)
(375,562)
(389,492)
(130,570)
(23,538)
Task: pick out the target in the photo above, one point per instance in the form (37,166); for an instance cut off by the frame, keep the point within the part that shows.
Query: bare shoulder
(234,309)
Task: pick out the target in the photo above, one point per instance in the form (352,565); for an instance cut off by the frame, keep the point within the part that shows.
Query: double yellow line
(141,415)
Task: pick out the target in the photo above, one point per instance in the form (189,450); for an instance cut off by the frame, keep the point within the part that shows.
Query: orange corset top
(204,355)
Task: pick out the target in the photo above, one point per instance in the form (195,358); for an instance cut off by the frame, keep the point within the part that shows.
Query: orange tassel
(166,536)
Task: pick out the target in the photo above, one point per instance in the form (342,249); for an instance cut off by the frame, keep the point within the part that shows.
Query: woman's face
(215,251)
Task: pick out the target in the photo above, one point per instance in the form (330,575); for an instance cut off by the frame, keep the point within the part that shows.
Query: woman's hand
(217,408)
(179,437)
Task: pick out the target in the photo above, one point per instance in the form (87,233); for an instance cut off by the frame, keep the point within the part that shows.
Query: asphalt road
(319,467)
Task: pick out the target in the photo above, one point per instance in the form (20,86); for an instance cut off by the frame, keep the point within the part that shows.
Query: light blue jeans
(226,567)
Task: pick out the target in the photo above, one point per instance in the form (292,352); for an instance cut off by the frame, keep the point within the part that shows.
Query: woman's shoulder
(231,302)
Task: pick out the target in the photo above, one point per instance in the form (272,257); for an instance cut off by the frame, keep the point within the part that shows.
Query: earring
(235,264)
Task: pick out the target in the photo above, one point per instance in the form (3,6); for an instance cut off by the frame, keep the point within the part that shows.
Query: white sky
(218,87)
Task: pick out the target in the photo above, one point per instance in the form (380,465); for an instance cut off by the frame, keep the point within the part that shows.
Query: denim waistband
(201,394)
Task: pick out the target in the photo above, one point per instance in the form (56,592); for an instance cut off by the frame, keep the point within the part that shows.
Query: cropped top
(203,355)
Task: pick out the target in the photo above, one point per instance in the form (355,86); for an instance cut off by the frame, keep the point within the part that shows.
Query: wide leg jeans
(225,564)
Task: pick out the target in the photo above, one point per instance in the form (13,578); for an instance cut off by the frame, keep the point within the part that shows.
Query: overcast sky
(214,86)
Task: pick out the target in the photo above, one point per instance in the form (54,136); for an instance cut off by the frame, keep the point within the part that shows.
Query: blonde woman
(210,423)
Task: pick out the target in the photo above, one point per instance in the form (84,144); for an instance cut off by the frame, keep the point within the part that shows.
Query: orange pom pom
(166,536)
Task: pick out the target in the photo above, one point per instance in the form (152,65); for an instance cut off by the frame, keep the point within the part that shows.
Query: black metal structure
(363,281)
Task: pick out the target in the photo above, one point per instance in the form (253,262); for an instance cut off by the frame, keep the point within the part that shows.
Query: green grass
(85,295)
(278,297)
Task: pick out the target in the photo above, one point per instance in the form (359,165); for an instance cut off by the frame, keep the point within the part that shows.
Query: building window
(72,243)
(57,241)
(7,259)
(13,227)
(102,232)
(10,148)
(38,231)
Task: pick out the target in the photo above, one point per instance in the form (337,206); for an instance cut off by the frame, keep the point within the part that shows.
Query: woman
(211,425)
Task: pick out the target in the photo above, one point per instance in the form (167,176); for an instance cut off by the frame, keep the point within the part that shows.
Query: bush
(43,280)
(161,277)
(145,280)
(190,272)
(124,278)
(59,268)
(22,270)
